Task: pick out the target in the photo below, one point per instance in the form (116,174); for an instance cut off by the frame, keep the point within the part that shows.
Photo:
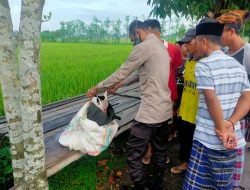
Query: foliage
(192,8)
(69,69)
(6,179)
(196,9)
(97,31)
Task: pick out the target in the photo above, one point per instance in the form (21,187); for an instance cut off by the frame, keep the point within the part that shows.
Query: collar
(150,36)
(216,52)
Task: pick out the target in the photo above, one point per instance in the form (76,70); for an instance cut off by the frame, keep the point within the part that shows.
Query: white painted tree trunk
(31,110)
(10,87)
(21,91)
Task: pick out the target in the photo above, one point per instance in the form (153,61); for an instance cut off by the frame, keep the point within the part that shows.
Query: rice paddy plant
(70,69)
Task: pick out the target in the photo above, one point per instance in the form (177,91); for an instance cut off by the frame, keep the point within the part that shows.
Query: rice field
(70,69)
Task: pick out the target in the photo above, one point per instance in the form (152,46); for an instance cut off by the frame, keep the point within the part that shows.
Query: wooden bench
(57,116)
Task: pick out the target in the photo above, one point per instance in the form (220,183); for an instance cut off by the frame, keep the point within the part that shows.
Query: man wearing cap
(150,58)
(189,103)
(223,99)
(239,50)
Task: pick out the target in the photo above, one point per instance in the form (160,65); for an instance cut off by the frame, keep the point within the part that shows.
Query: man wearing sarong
(240,50)
(224,99)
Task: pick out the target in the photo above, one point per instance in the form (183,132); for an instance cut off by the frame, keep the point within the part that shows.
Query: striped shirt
(228,79)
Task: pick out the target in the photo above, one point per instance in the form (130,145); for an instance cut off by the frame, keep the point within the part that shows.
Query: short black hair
(213,38)
(153,24)
(235,26)
(136,24)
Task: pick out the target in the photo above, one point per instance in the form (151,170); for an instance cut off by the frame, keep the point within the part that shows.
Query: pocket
(139,136)
(140,130)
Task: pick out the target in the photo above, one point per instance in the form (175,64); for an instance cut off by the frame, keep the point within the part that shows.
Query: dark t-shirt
(239,56)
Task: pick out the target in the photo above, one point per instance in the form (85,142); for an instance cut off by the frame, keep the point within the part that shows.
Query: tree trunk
(220,4)
(10,87)
(29,70)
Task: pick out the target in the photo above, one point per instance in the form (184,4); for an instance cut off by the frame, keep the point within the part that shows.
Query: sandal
(146,160)
(168,160)
(177,170)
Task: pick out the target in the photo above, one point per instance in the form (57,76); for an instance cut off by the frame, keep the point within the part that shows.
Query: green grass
(85,174)
(70,69)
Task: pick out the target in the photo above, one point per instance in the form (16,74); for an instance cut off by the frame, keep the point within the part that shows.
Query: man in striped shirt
(223,85)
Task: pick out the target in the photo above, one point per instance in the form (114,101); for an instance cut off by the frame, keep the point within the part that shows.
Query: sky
(67,10)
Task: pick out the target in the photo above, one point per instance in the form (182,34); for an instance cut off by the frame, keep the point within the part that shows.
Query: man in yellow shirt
(189,103)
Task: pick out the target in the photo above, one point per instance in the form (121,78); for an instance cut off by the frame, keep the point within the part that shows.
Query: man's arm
(214,108)
(134,77)
(242,107)
(227,135)
(134,61)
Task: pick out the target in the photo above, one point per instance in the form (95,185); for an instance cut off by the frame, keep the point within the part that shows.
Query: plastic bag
(86,135)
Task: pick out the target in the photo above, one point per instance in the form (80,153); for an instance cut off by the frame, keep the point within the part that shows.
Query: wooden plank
(66,106)
(60,164)
(81,101)
(69,108)
(2,119)
(65,119)
(111,97)
(3,128)
(65,116)
(75,100)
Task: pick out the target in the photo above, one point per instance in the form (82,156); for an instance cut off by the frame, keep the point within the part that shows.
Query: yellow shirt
(190,95)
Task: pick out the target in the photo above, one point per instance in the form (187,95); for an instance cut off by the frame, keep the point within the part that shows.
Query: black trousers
(140,135)
(186,133)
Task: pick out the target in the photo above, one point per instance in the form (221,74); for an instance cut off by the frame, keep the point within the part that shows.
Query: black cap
(190,34)
(209,26)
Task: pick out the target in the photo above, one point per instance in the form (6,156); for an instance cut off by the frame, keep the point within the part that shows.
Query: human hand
(115,88)
(228,125)
(91,92)
(227,136)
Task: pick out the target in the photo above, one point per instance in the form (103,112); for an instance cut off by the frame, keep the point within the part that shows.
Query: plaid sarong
(238,167)
(209,169)
(240,156)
